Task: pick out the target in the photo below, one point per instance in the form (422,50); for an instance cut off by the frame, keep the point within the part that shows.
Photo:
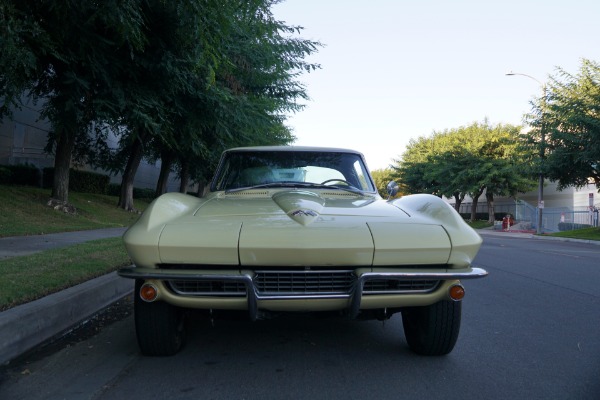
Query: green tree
(411,169)
(64,52)
(237,99)
(570,118)
(382,177)
(190,77)
(467,161)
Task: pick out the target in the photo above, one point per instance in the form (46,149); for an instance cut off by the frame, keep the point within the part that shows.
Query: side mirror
(392,189)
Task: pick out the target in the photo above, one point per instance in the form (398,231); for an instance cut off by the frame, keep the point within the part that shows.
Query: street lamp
(540,206)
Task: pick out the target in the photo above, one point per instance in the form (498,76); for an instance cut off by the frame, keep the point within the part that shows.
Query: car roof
(294,148)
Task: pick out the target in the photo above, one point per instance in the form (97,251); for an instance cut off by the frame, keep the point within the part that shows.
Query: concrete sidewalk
(26,326)
(24,245)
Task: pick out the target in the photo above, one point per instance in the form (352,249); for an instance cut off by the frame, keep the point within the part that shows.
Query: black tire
(159,326)
(432,330)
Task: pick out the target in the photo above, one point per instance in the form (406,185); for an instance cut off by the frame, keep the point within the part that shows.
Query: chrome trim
(356,292)
(328,283)
(430,288)
(472,273)
(177,286)
(151,273)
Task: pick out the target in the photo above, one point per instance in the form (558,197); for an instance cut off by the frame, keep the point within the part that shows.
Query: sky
(396,70)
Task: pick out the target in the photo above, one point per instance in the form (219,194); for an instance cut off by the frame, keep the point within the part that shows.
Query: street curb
(565,239)
(28,325)
(522,235)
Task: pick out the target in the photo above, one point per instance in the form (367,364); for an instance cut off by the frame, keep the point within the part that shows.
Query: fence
(525,215)
(555,220)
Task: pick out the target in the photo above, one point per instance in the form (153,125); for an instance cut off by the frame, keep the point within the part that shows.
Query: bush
(5,175)
(144,193)
(80,181)
(571,226)
(88,182)
(114,189)
(23,174)
(91,182)
(483,216)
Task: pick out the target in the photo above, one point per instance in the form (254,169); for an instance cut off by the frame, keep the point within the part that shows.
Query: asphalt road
(531,330)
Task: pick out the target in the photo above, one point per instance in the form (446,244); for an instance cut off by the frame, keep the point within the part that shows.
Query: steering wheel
(337,180)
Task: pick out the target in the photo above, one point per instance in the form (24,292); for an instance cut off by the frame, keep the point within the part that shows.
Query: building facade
(23,137)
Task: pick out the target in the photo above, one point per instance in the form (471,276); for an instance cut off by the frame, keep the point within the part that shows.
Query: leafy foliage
(180,80)
(569,116)
(467,161)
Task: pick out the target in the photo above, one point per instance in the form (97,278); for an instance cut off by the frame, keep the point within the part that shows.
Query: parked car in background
(300,229)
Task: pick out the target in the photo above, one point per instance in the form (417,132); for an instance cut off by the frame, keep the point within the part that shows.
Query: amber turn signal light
(456,292)
(148,292)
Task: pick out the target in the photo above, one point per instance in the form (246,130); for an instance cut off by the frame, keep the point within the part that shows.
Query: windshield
(247,169)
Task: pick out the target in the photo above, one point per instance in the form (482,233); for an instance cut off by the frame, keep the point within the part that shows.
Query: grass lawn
(479,224)
(23,211)
(23,279)
(587,233)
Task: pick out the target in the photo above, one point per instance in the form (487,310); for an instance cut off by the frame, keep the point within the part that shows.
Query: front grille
(298,283)
(208,288)
(292,283)
(389,286)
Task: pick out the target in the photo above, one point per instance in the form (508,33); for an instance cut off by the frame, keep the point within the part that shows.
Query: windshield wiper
(260,186)
(296,184)
(350,189)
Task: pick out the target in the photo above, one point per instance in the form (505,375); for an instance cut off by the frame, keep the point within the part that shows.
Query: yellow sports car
(300,229)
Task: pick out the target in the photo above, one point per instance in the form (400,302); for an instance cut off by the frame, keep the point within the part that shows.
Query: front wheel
(432,330)
(159,326)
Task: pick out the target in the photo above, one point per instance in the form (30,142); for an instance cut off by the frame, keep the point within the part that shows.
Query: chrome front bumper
(253,295)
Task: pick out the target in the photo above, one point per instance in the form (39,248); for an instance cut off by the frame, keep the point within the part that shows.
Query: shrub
(88,182)
(114,189)
(5,175)
(143,193)
(22,174)
(570,226)
(483,216)
(80,181)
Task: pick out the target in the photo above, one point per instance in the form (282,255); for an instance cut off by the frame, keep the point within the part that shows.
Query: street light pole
(542,153)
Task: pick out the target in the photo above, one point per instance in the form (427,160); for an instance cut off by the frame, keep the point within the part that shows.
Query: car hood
(302,228)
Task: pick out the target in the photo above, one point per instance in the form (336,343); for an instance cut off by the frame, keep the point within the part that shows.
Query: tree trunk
(165,170)
(458,199)
(184,175)
(475,197)
(62,163)
(202,188)
(474,208)
(490,203)
(135,157)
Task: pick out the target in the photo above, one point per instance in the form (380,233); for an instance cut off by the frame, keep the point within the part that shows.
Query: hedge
(5,175)
(484,216)
(114,189)
(80,181)
(22,174)
(571,226)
